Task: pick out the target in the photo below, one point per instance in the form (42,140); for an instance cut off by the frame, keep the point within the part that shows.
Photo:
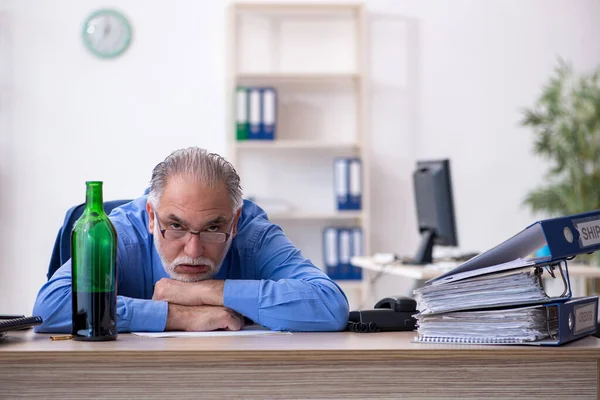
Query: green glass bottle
(94,270)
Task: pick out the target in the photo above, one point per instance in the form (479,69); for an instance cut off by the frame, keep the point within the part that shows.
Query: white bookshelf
(308,77)
(314,56)
(316,216)
(297,145)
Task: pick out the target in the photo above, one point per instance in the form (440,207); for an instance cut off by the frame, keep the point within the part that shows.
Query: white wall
(67,117)
(477,64)
(75,117)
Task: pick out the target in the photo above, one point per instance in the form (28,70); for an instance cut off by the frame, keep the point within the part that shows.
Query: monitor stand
(425,252)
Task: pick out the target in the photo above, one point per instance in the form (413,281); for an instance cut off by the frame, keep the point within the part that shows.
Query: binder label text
(589,232)
(585,317)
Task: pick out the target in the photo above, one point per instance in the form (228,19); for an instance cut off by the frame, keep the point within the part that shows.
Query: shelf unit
(309,216)
(296,145)
(314,56)
(299,77)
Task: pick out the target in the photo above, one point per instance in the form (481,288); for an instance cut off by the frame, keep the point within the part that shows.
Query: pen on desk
(61,337)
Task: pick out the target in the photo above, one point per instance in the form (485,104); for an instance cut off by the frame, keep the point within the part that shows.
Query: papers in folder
(517,325)
(521,286)
(540,325)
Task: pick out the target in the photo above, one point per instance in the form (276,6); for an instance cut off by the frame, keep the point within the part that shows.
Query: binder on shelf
(331,252)
(241,111)
(339,246)
(269,113)
(357,251)
(255,113)
(345,254)
(348,183)
(355,185)
(341,184)
(543,325)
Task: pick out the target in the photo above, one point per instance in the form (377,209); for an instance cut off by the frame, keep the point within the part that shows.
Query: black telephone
(389,314)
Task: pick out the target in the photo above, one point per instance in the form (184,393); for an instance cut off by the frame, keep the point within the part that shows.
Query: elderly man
(194,256)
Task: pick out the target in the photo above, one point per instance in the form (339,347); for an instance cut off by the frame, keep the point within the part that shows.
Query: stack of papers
(517,325)
(478,301)
(491,308)
(522,286)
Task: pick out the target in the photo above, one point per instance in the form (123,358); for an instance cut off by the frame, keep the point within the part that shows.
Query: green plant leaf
(565,122)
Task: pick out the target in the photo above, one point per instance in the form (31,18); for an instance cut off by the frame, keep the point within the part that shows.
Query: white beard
(170,266)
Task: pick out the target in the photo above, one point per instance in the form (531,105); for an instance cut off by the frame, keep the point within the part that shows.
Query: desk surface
(325,344)
(433,270)
(301,365)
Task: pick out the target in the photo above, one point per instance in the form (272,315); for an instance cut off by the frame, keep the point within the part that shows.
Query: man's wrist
(211,292)
(174,318)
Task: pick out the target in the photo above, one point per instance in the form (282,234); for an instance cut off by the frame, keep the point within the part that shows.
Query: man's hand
(209,292)
(202,318)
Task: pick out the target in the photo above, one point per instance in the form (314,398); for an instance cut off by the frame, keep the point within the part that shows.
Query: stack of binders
(348,183)
(339,246)
(256,113)
(499,297)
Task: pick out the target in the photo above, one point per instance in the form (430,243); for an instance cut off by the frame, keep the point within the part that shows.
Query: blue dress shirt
(266,279)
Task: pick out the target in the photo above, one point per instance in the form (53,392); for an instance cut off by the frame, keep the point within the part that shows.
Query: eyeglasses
(184,234)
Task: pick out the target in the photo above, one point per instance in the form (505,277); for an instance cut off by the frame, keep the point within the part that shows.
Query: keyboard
(15,324)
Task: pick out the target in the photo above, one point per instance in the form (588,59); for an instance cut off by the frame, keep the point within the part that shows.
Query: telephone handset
(393,313)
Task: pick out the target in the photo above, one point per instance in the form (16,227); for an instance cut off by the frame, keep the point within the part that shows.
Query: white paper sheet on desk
(243,332)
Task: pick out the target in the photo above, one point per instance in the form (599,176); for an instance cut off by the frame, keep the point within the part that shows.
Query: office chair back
(62,246)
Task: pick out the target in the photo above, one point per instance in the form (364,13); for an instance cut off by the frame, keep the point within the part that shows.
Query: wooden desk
(303,365)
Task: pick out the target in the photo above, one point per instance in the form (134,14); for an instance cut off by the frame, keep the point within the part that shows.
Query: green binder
(241,112)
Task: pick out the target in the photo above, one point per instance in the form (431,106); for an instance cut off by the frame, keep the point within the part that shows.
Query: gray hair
(205,167)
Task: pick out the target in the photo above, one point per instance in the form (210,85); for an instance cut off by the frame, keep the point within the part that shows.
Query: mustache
(193,261)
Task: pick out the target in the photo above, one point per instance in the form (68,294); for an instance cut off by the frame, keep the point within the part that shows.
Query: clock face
(107,33)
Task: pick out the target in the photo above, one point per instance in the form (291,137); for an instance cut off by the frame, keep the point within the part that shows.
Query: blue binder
(565,237)
(357,251)
(268,113)
(345,253)
(341,183)
(331,252)
(347,176)
(255,113)
(577,318)
(563,322)
(355,183)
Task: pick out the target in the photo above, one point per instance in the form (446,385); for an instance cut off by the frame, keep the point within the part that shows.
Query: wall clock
(107,33)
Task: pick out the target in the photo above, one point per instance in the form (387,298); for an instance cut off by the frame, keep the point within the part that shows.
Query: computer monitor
(435,208)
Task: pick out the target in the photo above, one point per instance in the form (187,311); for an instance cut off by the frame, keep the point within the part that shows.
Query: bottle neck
(93,197)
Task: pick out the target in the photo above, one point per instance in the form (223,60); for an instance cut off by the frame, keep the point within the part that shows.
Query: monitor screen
(435,208)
